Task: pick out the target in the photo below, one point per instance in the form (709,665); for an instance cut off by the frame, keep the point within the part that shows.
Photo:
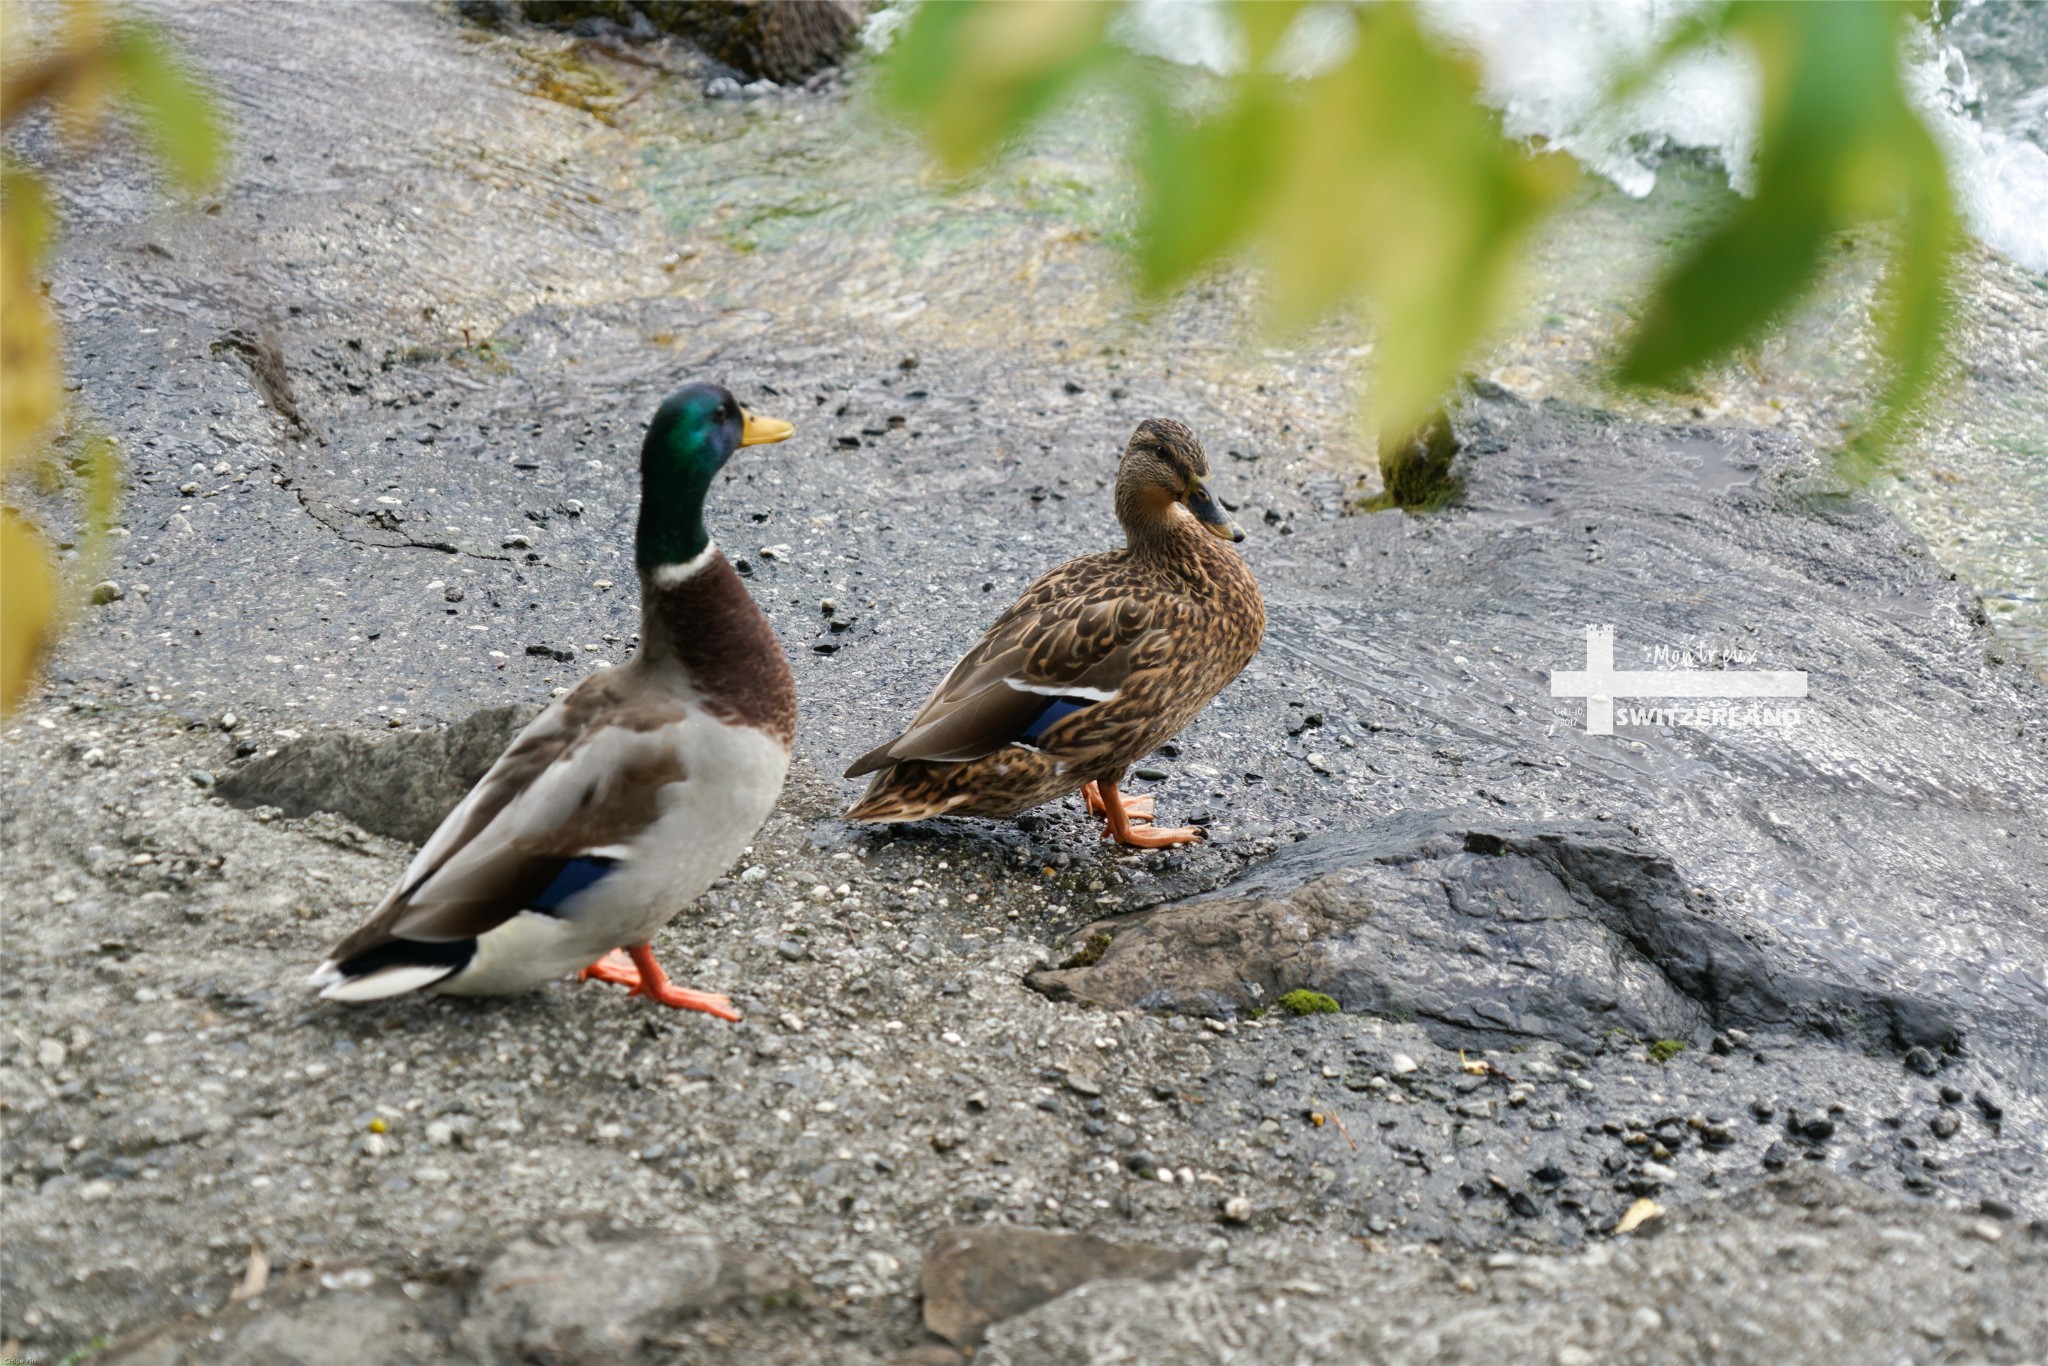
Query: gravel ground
(1838,922)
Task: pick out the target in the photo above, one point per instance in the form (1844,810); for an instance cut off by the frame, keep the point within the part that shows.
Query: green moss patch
(1090,953)
(1301,1001)
(1664,1050)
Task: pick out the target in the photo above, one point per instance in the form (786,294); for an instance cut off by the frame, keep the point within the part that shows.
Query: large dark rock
(780,40)
(401,787)
(1481,934)
(975,1277)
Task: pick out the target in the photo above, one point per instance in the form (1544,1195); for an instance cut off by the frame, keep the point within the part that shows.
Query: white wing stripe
(1055,690)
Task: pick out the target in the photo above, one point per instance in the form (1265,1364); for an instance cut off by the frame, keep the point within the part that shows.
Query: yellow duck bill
(761,431)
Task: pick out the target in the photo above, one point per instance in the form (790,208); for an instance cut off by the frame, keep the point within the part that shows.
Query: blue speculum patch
(1055,709)
(576,875)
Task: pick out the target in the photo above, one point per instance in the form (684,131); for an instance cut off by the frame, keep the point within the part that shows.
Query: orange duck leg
(636,969)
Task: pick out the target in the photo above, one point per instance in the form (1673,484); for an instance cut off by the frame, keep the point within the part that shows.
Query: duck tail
(390,969)
(893,797)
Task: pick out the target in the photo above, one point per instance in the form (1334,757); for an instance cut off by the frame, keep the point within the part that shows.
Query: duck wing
(1059,649)
(560,808)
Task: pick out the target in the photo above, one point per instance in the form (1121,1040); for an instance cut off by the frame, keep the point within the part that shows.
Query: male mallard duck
(1094,667)
(623,800)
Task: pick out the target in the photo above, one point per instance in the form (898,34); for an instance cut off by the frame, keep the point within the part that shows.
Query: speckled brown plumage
(1142,638)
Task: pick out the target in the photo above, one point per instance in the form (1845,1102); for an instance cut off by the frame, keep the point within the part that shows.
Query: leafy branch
(1380,180)
(97,61)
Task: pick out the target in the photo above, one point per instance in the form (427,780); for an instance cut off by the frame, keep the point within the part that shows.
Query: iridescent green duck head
(694,432)
(1164,471)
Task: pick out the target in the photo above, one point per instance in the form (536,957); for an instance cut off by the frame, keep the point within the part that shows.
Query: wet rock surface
(1487,935)
(977,1276)
(402,786)
(1837,918)
(1801,1266)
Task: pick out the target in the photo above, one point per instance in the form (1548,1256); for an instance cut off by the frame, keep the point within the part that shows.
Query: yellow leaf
(1640,1213)
(82,104)
(28,596)
(30,383)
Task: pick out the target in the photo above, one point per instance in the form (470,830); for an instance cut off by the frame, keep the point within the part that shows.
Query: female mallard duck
(623,800)
(1094,667)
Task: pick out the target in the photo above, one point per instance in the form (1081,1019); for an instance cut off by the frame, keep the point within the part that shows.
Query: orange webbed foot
(1122,814)
(636,970)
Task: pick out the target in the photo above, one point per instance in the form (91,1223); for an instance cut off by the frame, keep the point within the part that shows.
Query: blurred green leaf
(970,74)
(1397,185)
(100,465)
(1206,183)
(1263,23)
(174,111)
(1838,146)
(1384,181)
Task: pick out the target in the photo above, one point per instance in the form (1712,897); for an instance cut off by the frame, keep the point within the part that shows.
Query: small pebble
(1401,1065)
(107,591)
(1237,1210)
